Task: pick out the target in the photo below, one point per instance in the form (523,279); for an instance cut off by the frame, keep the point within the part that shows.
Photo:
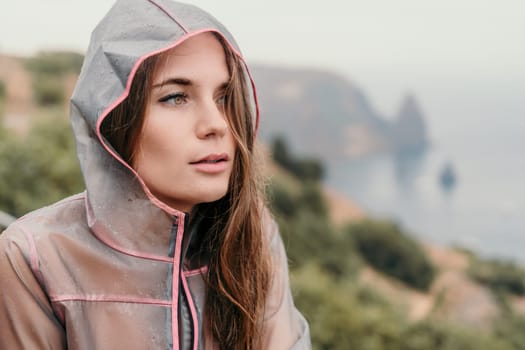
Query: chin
(212,197)
(205,195)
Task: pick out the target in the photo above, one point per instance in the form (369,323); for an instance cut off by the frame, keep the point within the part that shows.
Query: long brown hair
(238,259)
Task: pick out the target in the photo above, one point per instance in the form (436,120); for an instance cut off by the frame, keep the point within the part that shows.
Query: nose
(211,121)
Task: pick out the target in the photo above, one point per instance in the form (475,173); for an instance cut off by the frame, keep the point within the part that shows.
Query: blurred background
(395,132)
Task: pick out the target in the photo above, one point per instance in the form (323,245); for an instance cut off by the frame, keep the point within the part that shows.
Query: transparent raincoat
(105,269)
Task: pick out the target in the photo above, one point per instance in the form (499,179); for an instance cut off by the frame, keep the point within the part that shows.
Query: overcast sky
(388,46)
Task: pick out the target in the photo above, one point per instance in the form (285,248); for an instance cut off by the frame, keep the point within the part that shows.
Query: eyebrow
(183,82)
(174,81)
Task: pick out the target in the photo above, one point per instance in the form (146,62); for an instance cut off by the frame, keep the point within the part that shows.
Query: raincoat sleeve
(27,320)
(284,326)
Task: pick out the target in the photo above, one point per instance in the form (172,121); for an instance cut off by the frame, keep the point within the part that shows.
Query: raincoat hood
(132,31)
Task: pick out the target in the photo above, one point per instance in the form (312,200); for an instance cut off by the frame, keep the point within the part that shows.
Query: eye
(175,99)
(221,100)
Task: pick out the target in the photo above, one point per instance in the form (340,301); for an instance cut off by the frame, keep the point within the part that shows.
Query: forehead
(200,56)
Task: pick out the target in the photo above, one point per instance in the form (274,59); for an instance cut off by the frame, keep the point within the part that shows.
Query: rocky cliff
(322,114)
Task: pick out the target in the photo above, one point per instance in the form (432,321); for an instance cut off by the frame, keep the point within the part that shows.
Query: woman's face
(186,150)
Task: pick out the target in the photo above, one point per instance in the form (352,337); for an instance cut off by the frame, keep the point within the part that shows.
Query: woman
(170,247)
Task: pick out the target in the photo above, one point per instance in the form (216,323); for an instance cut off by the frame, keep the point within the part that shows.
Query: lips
(212,159)
(212,164)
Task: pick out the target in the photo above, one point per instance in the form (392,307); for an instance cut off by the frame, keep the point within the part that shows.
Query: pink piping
(175,284)
(108,298)
(193,314)
(122,97)
(199,271)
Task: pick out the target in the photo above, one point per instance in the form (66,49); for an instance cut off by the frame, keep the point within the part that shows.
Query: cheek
(158,138)
(150,153)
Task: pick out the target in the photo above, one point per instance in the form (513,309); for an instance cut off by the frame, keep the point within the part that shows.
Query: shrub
(39,169)
(305,169)
(311,239)
(281,200)
(2,98)
(48,70)
(308,234)
(440,335)
(287,202)
(386,248)
(510,329)
(280,152)
(339,318)
(55,63)
(48,91)
(311,199)
(500,276)
(2,91)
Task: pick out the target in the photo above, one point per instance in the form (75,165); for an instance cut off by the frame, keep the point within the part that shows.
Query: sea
(478,130)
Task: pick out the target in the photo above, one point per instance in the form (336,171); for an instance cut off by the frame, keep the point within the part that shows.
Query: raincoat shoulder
(28,317)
